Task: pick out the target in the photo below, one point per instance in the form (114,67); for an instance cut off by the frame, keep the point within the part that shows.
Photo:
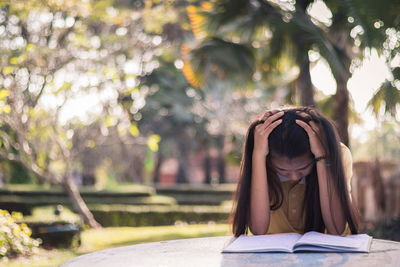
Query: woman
(293,178)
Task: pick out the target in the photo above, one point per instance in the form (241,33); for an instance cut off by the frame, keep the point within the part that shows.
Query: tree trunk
(341,98)
(78,203)
(341,110)
(303,83)
(221,167)
(379,188)
(181,176)
(207,168)
(157,168)
(130,173)
(183,161)
(72,191)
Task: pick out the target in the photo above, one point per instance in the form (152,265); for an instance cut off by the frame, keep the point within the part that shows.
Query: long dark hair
(290,140)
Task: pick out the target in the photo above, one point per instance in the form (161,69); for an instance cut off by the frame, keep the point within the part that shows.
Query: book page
(263,243)
(344,243)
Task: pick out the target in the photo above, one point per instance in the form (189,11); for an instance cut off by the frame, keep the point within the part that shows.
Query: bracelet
(327,164)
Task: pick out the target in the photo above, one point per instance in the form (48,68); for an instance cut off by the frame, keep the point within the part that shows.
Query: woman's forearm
(259,197)
(331,208)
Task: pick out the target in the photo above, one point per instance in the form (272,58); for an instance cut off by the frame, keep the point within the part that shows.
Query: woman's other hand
(316,136)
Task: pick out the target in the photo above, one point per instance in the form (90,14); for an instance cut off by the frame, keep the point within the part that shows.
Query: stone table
(206,252)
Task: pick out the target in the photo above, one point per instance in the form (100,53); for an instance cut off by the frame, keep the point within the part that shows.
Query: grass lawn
(110,237)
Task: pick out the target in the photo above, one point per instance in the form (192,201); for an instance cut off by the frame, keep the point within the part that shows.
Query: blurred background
(122,121)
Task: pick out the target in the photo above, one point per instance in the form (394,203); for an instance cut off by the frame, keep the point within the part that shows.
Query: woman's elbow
(259,230)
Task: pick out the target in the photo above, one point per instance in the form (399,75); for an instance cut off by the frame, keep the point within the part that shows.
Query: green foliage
(155,17)
(388,96)
(366,13)
(19,174)
(292,32)
(289,32)
(15,238)
(71,35)
(216,59)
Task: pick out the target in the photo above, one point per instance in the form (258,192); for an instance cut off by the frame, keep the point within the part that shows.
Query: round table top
(207,252)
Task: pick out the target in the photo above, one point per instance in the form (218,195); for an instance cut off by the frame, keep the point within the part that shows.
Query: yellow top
(289,217)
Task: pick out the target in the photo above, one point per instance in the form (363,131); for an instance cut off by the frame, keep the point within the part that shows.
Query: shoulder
(345,152)
(343,147)
(347,164)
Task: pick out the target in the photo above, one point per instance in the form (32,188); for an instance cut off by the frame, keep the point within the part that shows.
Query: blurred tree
(32,54)
(55,53)
(387,97)
(280,34)
(168,113)
(290,32)
(158,103)
(370,26)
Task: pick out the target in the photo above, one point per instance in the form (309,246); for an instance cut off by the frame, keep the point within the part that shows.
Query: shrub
(15,238)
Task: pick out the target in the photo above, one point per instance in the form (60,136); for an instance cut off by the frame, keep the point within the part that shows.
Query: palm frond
(388,96)
(193,78)
(366,13)
(217,59)
(224,13)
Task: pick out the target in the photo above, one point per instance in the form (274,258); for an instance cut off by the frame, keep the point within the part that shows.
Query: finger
(263,126)
(306,127)
(314,126)
(304,115)
(259,127)
(270,113)
(314,113)
(319,131)
(272,126)
(274,117)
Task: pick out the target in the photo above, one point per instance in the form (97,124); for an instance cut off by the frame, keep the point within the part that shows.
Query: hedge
(117,215)
(120,191)
(198,194)
(24,200)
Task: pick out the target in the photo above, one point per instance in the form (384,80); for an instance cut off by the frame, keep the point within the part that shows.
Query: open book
(292,242)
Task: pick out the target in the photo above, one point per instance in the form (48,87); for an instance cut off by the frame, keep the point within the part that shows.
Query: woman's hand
(316,136)
(263,130)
